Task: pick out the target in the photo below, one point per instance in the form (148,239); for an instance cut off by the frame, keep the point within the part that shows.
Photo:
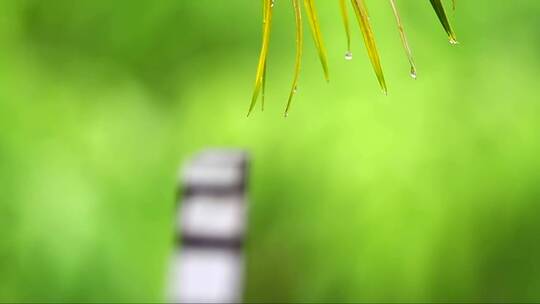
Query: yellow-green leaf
(263,93)
(345,14)
(369,40)
(443,18)
(404,39)
(259,78)
(317,36)
(299,45)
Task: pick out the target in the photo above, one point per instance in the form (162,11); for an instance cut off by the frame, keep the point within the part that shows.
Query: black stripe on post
(208,264)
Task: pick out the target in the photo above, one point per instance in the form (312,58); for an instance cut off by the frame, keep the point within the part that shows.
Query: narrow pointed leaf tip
(443,18)
(317,36)
(299,46)
(404,39)
(345,16)
(369,40)
(261,67)
(263,93)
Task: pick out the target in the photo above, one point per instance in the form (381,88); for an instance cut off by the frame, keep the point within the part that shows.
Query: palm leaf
(404,39)
(263,89)
(265,63)
(369,40)
(364,22)
(260,76)
(317,36)
(443,18)
(345,14)
(299,46)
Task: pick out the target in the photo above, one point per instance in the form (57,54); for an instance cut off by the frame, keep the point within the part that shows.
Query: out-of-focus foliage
(430,193)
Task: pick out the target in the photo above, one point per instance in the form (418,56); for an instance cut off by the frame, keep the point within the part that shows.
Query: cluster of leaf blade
(362,15)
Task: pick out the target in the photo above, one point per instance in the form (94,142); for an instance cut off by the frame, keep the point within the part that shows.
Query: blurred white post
(208,265)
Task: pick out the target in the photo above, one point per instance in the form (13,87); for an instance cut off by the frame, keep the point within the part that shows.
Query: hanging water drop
(453,41)
(413,73)
(273,2)
(348,55)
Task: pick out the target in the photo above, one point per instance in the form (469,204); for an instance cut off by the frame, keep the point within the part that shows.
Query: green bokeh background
(428,194)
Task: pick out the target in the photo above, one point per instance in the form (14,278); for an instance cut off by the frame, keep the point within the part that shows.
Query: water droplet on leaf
(413,73)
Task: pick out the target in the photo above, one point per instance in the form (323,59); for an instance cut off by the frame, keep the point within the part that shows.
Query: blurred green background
(429,194)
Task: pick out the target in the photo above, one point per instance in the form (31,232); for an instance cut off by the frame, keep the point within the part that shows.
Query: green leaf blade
(345,16)
(369,40)
(443,18)
(299,47)
(261,67)
(404,39)
(317,36)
